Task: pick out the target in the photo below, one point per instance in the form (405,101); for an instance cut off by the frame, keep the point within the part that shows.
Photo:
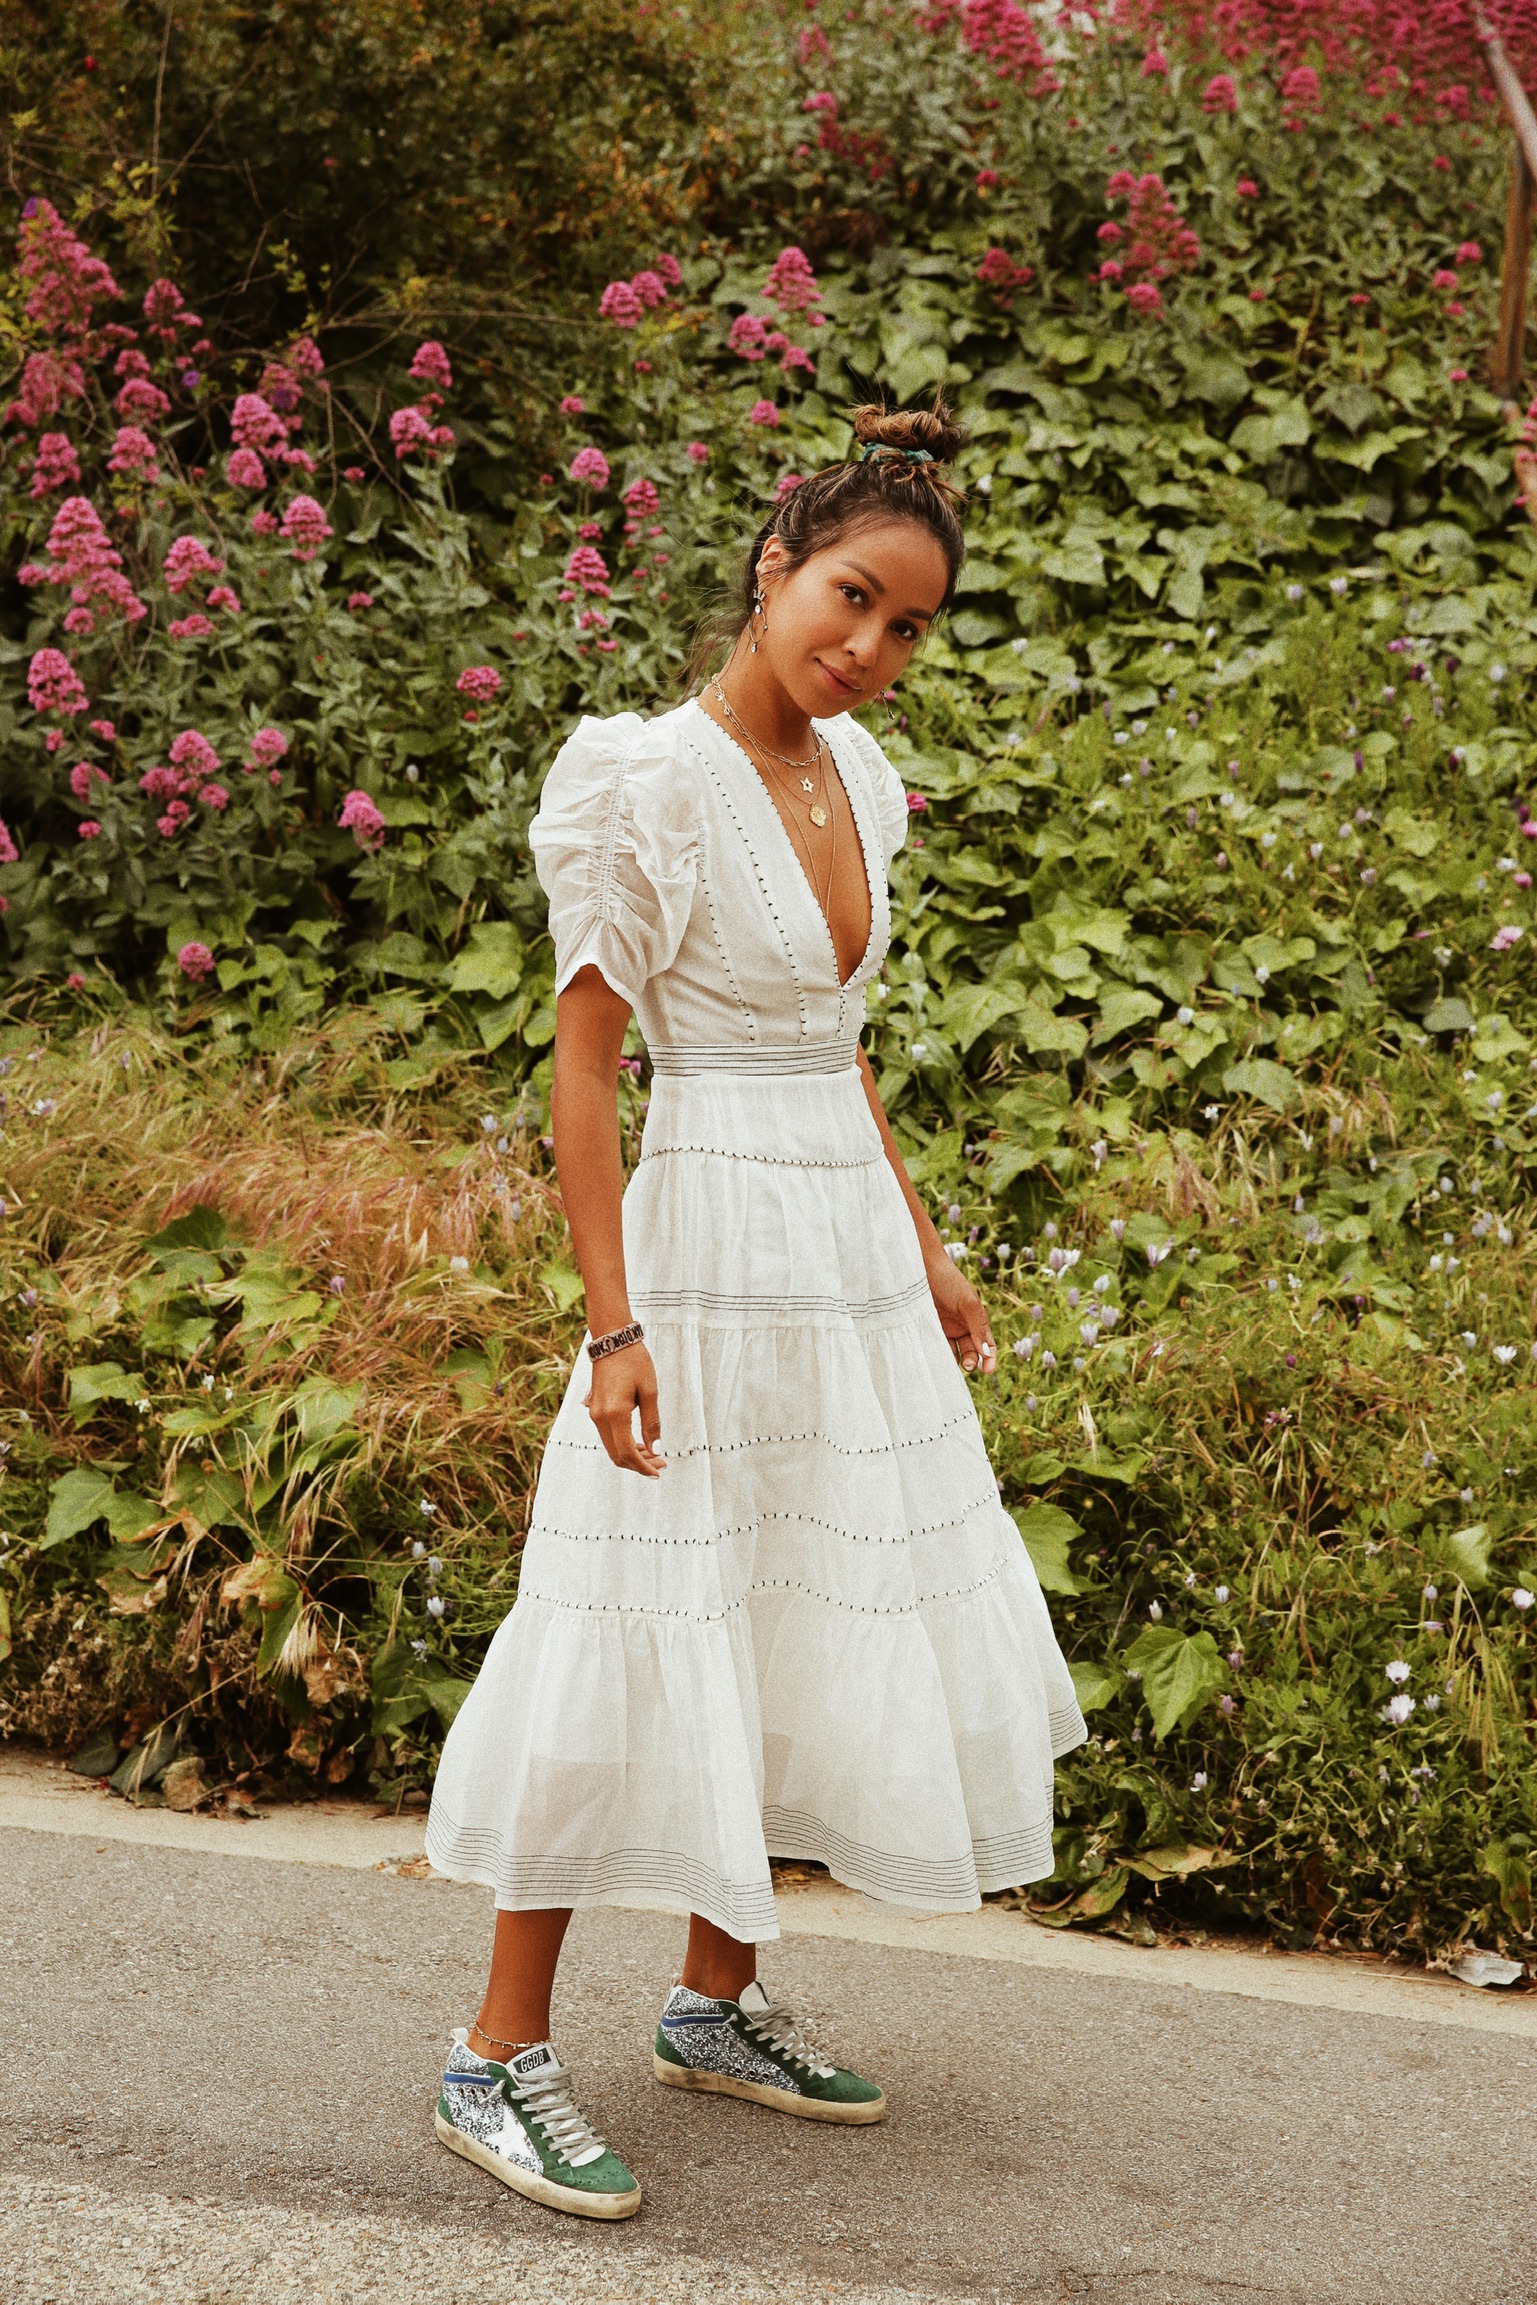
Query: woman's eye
(852,593)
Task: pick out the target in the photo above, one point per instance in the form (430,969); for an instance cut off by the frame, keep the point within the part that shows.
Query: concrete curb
(41,1795)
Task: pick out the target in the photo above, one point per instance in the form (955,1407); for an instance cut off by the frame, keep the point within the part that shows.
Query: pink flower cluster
(9,852)
(188,559)
(642,503)
(133,455)
(589,468)
(267,747)
(83,775)
(195,961)
(55,465)
(480,682)
(53,685)
(48,379)
(1220,93)
(792,284)
(360,816)
(840,143)
(625,302)
(588,569)
(1006,34)
(191,777)
(81,556)
(67,280)
(414,433)
(999,273)
(429,365)
(305,527)
(1156,240)
(753,339)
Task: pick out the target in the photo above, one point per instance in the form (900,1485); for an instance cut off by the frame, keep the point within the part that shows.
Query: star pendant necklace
(817,810)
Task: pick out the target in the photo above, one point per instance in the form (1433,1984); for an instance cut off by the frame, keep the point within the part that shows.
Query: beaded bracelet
(615,1341)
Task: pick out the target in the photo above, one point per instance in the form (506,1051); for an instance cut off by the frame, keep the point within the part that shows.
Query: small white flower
(1435,1264)
(1294,592)
(1190,1580)
(1024,1347)
(1432,1592)
(488,1123)
(1102,1285)
(427,1509)
(920,1050)
(1504,1354)
(1398,1709)
(1118,1228)
(458,1264)
(1221,1596)
(1155,1611)
(1263,975)
(1161,1347)
(418,1549)
(1469,1339)
(1339,585)
(1048,1360)
(1267,840)
(1157,1251)
(1496,672)
(1198,1781)
(1184,1016)
(1315,849)
(1521,1598)
(1119,736)
(419,1648)
(1432,1704)
(1397,1672)
(1005,1251)
(1089,1331)
(1211,1112)
(1031,1402)
(208,1384)
(956,1252)
(434,1605)
(1466,1496)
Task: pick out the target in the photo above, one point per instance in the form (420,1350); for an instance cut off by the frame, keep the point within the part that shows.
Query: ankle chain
(498,2043)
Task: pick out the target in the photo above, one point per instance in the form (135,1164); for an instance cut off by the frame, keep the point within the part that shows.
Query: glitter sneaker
(753,2048)
(518,2121)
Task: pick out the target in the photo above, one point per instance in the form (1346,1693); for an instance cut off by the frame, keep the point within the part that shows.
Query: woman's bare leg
(516,2010)
(716,1965)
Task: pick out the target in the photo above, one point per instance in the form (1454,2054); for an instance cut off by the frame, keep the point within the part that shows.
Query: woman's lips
(836,679)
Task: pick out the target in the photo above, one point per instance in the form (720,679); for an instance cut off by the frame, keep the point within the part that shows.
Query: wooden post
(1508,352)
(1514,271)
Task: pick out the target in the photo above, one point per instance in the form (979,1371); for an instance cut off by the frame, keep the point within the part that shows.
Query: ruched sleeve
(614,847)
(886,788)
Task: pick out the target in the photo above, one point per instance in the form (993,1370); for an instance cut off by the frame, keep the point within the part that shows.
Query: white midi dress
(817,1634)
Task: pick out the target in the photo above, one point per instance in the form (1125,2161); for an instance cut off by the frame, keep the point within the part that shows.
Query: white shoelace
(546,2095)
(777,2029)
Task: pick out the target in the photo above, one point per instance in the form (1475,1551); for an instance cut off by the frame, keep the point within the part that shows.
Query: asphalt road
(218,2083)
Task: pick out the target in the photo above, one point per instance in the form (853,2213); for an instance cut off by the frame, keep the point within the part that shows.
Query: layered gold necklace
(810,795)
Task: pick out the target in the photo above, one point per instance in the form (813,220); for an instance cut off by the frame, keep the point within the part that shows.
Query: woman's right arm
(590,1022)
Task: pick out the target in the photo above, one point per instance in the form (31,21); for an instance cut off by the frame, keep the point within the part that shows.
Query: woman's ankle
(496,2050)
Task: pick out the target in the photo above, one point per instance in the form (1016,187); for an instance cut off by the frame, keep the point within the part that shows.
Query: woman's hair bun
(935,429)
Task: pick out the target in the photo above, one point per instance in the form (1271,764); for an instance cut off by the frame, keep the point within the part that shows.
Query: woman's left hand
(963,1317)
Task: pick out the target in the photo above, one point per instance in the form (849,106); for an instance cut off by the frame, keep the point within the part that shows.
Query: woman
(788,1616)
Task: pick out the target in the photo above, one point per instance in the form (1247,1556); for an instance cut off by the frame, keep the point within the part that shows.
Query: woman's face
(841,627)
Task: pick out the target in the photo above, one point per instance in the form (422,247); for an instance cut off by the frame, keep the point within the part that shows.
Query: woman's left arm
(961,1311)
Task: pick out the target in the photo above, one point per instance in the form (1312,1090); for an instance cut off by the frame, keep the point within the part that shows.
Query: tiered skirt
(817,1634)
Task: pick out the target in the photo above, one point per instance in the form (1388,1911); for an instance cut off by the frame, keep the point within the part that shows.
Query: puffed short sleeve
(886,788)
(614,847)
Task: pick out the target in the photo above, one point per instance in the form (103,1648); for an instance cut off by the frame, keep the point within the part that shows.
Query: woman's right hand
(623,1382)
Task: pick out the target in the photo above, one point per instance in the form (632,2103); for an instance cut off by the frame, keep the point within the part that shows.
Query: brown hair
(878,487)
(828,504)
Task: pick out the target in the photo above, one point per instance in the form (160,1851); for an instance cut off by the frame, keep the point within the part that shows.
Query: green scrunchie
(885,448)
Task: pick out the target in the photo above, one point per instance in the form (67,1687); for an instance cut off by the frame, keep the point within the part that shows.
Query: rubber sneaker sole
(569,2198)
(759,2093)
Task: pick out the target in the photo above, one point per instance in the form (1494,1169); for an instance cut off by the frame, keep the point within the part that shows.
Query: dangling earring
(890,702)
(759,610)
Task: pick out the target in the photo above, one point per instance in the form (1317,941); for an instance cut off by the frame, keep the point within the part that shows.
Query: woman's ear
(771,560)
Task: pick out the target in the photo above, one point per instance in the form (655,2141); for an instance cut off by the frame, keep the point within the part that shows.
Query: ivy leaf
(1267,1082)
(1048,1531)
(1181,1673)
(81,1498)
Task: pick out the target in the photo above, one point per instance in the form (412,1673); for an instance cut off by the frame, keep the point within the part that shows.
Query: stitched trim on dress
(529,1590)
(714,774)
(467,1852)
(1009,1860)
(950,1882)
(770,1160)
(1066,1727)
(790,1516)
(893,1447)
(779,1311)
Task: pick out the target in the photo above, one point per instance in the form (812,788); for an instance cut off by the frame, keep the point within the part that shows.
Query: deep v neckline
(844,984)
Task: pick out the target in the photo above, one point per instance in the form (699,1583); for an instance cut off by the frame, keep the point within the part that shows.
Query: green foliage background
(1223,753)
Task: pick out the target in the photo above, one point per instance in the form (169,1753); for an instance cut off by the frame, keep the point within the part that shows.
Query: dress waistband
(811,1056)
